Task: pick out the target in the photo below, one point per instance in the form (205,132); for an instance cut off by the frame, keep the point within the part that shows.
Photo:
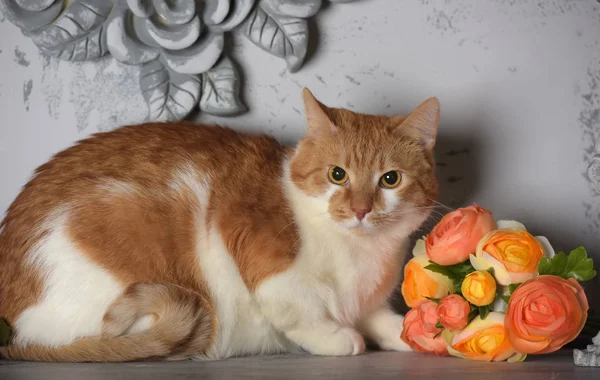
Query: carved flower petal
(199,57)
(125,48)
(215,11)
(35,6)
(294,8)
(175,12)
(174,37)
(239,10)
(141,8)
(30,20)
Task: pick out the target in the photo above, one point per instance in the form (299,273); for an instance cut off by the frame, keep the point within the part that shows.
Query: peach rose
(545,313)
(513,253)
(453,312)
(479,288)
(420,283)
(456,236)
(419,330)
(482,339)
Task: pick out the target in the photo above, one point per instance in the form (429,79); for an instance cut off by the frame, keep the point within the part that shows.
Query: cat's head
(367,173)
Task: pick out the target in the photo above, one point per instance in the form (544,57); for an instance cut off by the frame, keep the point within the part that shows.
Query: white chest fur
(335,278)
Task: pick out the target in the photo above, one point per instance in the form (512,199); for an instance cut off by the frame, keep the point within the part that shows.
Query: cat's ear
(316,117)
(422,123)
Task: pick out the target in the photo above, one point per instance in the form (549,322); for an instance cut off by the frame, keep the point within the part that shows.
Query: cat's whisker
(441,204)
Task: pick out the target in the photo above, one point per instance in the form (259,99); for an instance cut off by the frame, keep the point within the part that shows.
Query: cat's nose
(361,212)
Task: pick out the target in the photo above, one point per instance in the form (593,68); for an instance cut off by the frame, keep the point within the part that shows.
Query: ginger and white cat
(173,241)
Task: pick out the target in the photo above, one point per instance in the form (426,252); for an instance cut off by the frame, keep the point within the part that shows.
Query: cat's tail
(147,322)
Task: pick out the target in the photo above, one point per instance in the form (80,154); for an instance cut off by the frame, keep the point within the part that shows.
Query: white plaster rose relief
(178,43)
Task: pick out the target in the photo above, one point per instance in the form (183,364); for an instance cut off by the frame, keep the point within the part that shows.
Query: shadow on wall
(459,163)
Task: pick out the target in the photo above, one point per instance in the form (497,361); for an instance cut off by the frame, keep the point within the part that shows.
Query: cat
(172,241)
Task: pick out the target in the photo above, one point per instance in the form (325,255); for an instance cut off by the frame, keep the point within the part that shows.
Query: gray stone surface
(377,365)
(176,42)
(589,357)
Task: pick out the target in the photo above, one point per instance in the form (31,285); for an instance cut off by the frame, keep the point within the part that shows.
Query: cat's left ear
(318,121)
(422,123)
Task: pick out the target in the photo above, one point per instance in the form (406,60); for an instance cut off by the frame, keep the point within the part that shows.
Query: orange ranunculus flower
(456,236)
(545,313)
(479,288)
(419,330)
(453,312)
(513,253)
(482,339)
(420,283)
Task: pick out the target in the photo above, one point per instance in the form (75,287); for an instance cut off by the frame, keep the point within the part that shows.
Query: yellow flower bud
(479,288)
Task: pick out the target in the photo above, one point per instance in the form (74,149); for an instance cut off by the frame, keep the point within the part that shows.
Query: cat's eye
(391,179)
(337,175)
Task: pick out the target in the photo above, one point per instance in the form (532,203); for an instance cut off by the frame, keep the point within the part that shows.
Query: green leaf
(436,300)
(505,298)
(544,266)
(439,325)
(474,312)
(5,332)
(559,262)
(576,265)
(579,266)
(455,272)
(492,271)
(484,311)
(513,287)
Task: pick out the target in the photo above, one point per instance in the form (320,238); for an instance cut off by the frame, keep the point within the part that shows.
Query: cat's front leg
(383,327)
(326,338)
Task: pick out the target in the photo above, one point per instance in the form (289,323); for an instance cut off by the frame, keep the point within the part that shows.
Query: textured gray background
(517,80)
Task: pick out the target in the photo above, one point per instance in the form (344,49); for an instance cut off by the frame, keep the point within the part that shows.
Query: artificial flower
(420,283)
(479,288)
(512,251)
(453,312)
(420,332)
(456,236)
(482,339)
(545,313)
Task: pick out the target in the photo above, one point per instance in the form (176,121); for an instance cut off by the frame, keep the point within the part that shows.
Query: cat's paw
(343,342)
(384,327)
(328,339)
(356,344)
(393,343)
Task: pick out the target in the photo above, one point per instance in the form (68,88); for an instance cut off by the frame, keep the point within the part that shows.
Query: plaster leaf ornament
(178,43)
(73,34)
(170,95)
(220,90)
(277,27)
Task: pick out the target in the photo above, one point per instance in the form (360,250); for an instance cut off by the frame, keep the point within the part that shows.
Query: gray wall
(517,80)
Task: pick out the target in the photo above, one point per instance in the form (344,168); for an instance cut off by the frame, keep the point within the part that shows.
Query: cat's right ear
(422,123)
(316,117)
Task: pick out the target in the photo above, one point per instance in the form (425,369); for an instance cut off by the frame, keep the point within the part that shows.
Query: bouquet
(485,290)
